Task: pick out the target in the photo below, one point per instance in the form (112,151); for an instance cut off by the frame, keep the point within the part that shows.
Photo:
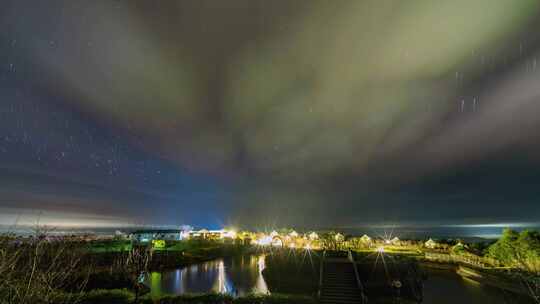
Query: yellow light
(264,241)
(158,244)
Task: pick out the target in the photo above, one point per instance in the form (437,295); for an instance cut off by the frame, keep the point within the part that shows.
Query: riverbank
(107,275)
(499,278)
(174,254)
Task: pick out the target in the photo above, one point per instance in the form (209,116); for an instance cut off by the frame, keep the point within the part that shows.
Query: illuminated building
(430,244)
(365,239)
(144,236)
(213,234)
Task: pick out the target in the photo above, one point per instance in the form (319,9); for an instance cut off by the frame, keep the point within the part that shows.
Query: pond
(241,275)
(445,287)
(237,276)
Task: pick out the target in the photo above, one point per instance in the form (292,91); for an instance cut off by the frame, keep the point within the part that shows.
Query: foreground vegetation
(47,270)
(520,250)
(124,296)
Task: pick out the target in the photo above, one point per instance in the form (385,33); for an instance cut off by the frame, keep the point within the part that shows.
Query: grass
(110,296)
(214,298)
(109,246)
(188,246)
(274,299)
(124,296)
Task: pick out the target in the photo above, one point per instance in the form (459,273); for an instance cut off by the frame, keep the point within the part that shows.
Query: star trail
(262,113)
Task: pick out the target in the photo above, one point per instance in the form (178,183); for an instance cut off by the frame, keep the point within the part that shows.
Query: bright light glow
(158,244)
(264,241)
(292,245)
(308,247)
(230,234)
(365,239)
(380,249)
(184,234)
(277,242)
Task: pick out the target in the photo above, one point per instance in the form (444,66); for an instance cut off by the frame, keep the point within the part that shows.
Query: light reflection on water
(234,275)
(448,288)
(241,275)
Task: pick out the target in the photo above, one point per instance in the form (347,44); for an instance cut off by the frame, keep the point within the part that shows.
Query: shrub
(214,298)
(518,249)
(209,298)
(274,299)
(109,296)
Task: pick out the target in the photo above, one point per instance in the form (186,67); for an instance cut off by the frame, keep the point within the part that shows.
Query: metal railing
(357,276)
(321,273)
(465,259)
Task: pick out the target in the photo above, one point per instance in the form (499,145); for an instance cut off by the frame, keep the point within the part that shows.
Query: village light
(264,241)
(184,234)
(230,234)
(158,244)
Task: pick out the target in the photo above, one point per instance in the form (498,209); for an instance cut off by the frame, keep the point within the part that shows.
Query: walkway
(339,282)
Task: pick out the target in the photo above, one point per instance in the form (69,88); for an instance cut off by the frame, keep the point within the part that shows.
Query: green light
(159,244)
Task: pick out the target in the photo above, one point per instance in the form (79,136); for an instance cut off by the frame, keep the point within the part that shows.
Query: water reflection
(222,283)
(260,285)
(449,288)
(243,274)
(234,275)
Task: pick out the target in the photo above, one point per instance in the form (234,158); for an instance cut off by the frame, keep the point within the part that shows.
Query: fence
(465,259)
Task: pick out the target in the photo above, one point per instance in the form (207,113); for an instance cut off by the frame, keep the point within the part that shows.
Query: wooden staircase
(339,282)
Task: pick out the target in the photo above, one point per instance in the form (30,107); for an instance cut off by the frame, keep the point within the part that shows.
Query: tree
(328,241)
(520,250)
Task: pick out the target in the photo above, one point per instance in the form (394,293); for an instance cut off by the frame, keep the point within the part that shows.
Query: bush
(124,296)
(109,246)
(108,280)
(274,299)
(36,269)
(209,298)
(109,296)
(214,298)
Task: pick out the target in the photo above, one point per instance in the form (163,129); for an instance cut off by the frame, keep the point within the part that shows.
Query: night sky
(269,113)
